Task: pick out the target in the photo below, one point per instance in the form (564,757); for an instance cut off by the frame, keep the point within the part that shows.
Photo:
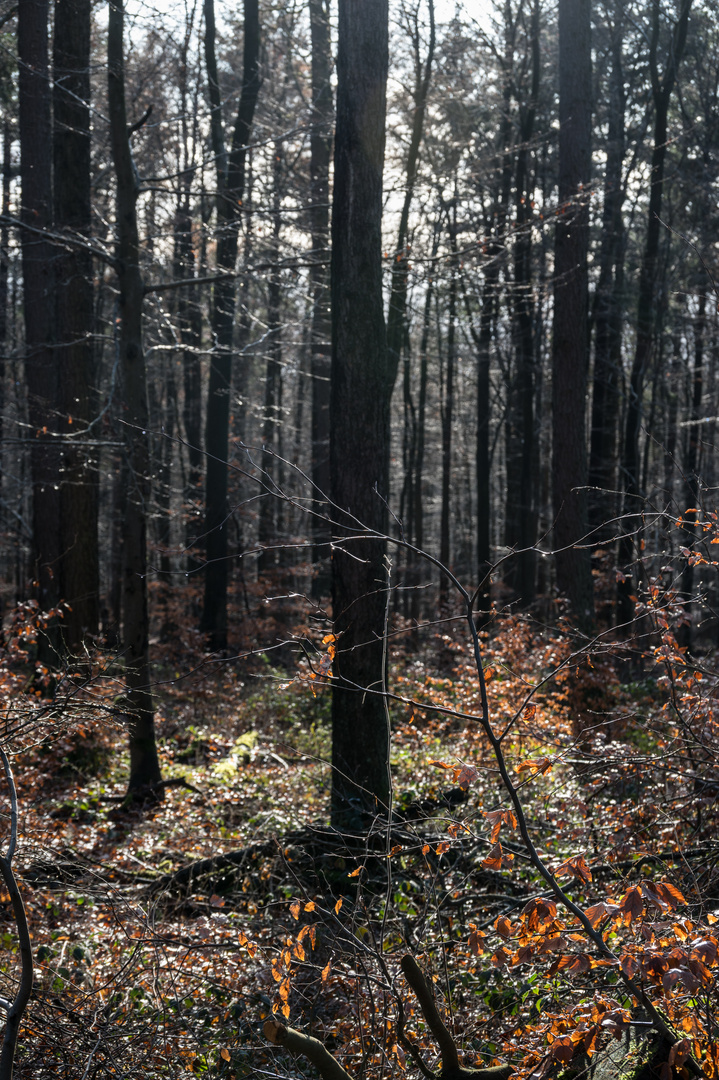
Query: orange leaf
(442,847)
(500,958)
(598,912)
(355,873)
(631,906)
(533,767)
(629,965)
(476,940)
(465,776)
(576,868)
(529,712)
(225,1054)
(326,970)
(503,926)
(497,859)
(295,909)
(310,905)
(497,818)
(338,905)
(440,764)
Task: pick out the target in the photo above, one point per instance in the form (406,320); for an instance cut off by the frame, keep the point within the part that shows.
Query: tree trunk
(74,322)
(417,492)
(397,333)
(396,318)
(320,150)
(271,428)
(144,765)
(521,522)
(359,416)
(230,192)
(692,459)
(570,340)
(38,289)
(646,305)
(602,475)
(447,408)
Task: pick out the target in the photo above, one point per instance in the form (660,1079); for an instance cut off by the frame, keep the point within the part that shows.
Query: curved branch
(17,1008)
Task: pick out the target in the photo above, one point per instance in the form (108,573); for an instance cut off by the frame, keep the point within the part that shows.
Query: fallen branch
(330,1069)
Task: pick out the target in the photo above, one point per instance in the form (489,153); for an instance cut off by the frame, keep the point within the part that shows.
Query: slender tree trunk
(144,765)
(230,192)
(417,493)
(397,334)
(602,475)
(4,271)
(692,457)
(321,348)
(495,228)
(74,321)
(448,409)
(38,290)
(397,314)
(570,338)
(273,383)
(662,88)
(359,416)
(191,338)
(521,522)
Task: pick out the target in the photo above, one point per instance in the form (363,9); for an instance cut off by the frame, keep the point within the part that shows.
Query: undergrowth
(164,935)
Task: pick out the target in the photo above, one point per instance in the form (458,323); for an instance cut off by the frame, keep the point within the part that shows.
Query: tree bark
(230,192)
(602,474)
(38,287)
(74,321)
(662,87)
(570,340)
(447,407)
(521,504)
(144,764)
(321,348)
(359,417)
(271,428)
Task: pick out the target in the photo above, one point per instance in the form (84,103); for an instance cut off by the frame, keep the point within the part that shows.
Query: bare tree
(139,708)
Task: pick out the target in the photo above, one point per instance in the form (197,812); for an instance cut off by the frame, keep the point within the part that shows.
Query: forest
(359,643)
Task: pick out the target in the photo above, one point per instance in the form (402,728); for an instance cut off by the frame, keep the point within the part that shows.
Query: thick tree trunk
(74,321)
(570,339)
(38,287)
(230,192)
(321,349)
(359,416)
(144,765)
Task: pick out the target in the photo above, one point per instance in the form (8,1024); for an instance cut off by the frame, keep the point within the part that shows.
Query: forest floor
(165,935)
